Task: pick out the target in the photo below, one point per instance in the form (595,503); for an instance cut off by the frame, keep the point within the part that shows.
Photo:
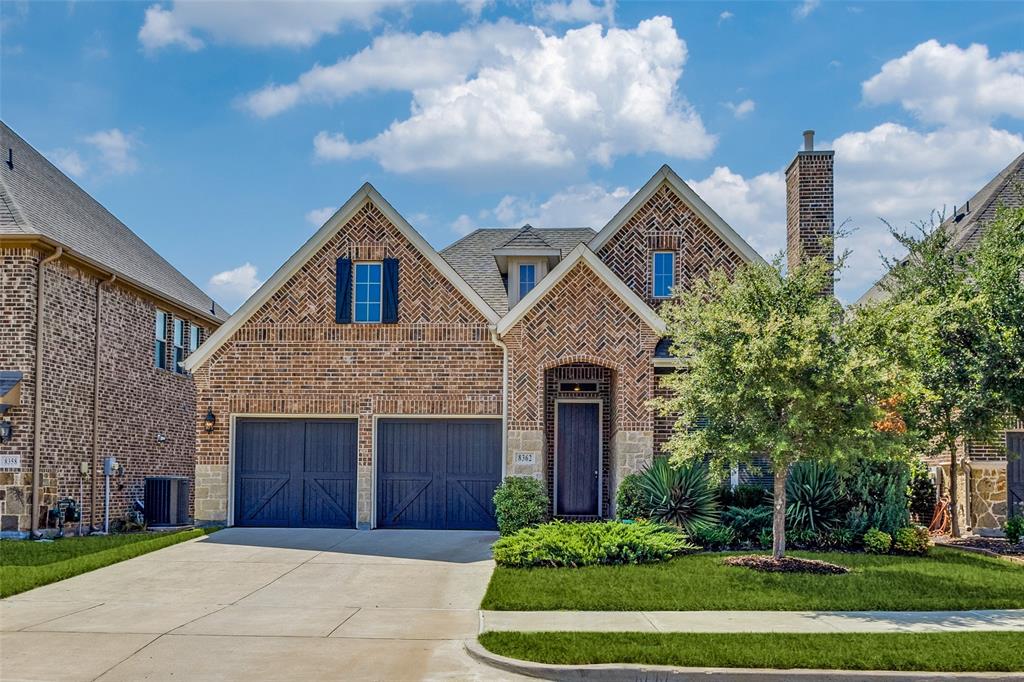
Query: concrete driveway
(273,604)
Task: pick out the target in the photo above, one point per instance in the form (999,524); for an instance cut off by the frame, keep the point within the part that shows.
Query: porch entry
(578,458)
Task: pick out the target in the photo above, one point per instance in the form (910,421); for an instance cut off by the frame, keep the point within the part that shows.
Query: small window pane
(664,274)
(161,325)
(160,342)
(527,279)
(179,333)
(193,338)
(368,292)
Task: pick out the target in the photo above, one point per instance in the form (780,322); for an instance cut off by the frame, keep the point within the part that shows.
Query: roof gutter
(37,404)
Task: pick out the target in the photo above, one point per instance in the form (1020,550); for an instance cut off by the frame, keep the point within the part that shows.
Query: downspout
(37,404)
(504,397)
(96,401)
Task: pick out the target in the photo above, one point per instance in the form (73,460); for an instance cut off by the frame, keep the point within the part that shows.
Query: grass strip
(929,652)
(15,578)
(946,579)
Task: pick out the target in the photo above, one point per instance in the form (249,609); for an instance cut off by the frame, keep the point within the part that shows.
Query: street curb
(624,671)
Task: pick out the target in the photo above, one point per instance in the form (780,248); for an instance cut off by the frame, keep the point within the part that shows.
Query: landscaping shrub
(744,496)
(519,502)
(837,538)
(682,496)
(877,541)
(804,538)
(764,539)
(922,493)
(876,495)
(813,502)
(911,540)
(715,537)
(586,544)
(1014,529)
(630,501)
(748,523)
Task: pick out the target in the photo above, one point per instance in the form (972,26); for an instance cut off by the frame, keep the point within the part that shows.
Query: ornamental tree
(773,368)
(953,320)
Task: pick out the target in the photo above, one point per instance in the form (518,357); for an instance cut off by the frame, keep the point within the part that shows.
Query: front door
(577,458)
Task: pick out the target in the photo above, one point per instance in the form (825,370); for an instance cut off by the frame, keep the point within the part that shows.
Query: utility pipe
(38,401)
(96,401)
(504,396)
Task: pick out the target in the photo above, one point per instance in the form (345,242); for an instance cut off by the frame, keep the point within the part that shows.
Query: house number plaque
(525,457)
(10,461)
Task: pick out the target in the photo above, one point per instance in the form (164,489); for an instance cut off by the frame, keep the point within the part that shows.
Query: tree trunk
(954,493)
(779,514)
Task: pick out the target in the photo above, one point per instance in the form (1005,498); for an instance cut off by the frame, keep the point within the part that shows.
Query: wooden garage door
(437,473)
(294,472)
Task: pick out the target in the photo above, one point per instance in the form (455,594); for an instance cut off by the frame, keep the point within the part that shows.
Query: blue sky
(223,133)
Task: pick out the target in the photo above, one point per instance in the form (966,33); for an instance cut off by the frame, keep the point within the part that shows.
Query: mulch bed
(995,545)
(760,562)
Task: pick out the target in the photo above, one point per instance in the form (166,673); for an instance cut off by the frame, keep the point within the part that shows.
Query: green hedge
(586,544)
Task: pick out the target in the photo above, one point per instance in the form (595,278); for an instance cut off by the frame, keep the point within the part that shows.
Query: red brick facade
(809,208)
(137,401)
(666,223)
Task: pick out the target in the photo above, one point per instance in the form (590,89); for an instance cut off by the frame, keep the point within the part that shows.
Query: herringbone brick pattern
(581,320)
(666,223)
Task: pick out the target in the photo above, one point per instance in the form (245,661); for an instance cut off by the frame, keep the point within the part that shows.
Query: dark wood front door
(1015,472)
(577,459)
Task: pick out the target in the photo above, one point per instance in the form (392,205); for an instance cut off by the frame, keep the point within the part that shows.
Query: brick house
(993,483)
(93,323)
(375,382)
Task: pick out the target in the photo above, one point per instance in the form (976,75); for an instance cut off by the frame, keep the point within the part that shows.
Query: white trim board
(311,247)
(581,253)
(666,175)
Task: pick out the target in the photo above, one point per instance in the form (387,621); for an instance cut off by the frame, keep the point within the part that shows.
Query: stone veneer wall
(137,401)
(666,223)
(988,495)
(291,358)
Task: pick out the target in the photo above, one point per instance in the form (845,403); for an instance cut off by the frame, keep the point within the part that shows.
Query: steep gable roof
(366,193)
(38,201)
(528,237)
(968,222)
(473,257)
(581,254)
(666,175)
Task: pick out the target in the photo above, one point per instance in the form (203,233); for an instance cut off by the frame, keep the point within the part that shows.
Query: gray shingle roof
(473,259)
(968,222)
(528,237)
(37,199)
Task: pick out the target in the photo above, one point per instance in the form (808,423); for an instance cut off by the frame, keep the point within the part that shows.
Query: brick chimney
(810,216)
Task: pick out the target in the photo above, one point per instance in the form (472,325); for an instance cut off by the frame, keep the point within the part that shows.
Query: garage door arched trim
(459,492)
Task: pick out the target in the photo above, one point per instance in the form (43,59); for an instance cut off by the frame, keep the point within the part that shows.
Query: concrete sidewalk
(752,621)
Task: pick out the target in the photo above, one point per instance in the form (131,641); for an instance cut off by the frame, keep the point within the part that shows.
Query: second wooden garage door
(437,473)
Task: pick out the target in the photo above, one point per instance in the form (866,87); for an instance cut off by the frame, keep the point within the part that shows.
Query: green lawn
(946,579)
(25,565)
(933,651)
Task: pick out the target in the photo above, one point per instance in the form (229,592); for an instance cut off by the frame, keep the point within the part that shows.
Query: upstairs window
(193,338)
(368,292)
(664,273)
(179,344)
(527,279)
(160,347)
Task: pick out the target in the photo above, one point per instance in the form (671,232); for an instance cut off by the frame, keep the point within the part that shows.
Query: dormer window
(527,279)
(664,273)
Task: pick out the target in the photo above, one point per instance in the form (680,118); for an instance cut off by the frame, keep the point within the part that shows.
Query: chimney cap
(808,140)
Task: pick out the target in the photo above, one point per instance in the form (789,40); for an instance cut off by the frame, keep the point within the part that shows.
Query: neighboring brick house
(374,382)
(993,483)
(103,318)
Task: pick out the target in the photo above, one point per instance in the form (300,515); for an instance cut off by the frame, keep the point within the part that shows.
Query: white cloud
(232,287)
(949,85)
(318,216)
(724,17)
(805,8)
(265,23)
(754,207)
(463,225)
(68,161)
(741,109)
(475,7)
(575,11)
(553,103)
(115,150)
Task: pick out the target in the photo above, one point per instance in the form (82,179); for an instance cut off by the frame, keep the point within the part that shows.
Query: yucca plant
(682,496)
(813,502)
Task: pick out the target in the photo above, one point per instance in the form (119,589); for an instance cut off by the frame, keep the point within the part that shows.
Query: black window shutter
(389,311)
(343,291)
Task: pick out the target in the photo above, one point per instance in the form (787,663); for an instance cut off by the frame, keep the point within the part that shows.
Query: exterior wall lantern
(210,421)
(6,431)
